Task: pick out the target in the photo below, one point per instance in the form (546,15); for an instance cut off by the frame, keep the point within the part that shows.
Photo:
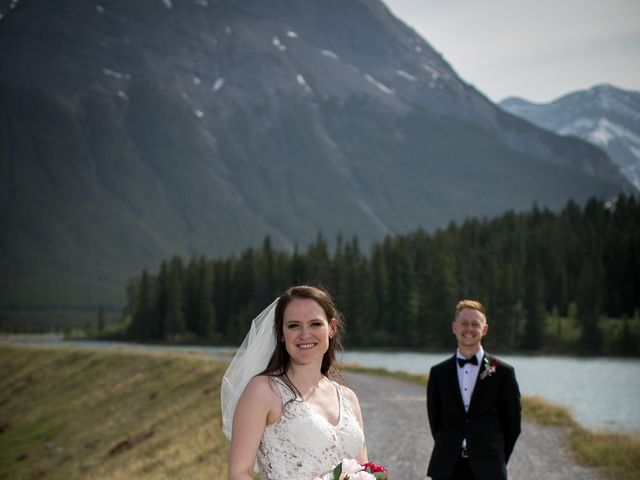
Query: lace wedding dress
(302,444)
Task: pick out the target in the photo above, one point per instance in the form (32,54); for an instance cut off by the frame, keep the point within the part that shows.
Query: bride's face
(306,330)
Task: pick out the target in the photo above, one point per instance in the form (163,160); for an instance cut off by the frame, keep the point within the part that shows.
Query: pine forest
(565,282)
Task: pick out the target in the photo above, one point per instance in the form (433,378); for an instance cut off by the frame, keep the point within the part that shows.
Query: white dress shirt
(467,376)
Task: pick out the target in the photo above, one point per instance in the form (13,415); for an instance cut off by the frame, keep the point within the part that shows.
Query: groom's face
(469,327)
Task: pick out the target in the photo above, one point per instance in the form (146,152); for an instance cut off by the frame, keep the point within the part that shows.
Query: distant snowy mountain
(604,115)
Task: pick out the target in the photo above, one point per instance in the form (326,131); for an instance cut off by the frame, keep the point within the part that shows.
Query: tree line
(565,281)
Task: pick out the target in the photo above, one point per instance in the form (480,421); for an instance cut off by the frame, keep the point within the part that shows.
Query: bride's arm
(249,422)
(355,405)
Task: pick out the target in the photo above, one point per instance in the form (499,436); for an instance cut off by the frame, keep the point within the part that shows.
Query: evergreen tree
(141,325)
(222,297)
(174,321)
(534,307)
(354,287)
(441,300)
(403,298)
(243,305)
(318,264)
(589,304)
(204,326)
(101,321)
(380,314)
(298,272)
(627,341)
(158,329)
(191,295)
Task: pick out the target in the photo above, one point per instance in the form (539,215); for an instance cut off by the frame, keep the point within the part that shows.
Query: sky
(535,49)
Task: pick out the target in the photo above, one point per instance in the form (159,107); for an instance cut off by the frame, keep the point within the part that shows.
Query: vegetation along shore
(75,413)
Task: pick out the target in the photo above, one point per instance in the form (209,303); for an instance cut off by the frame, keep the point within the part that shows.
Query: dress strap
(341,397)
(285,391)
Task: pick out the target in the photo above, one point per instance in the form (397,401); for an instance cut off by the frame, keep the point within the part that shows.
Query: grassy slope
(62,412)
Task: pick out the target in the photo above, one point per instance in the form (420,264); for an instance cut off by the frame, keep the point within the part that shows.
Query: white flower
(362,475)
(326,476)
(350,466)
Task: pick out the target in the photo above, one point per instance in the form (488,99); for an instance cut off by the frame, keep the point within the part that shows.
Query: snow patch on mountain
(278,44)
(604,115)
(330,54)
(600,131)
(218,84)
(379,85)
(408,76)
(302,82)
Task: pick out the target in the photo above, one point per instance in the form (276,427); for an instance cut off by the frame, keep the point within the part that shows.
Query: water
(602,393)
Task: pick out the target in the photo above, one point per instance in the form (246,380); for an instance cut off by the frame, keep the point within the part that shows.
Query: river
(603,393)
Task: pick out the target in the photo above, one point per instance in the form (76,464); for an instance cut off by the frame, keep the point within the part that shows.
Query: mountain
(604,115)
(134,131)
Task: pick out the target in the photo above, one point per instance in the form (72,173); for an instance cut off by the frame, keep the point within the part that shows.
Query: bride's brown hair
(280,360)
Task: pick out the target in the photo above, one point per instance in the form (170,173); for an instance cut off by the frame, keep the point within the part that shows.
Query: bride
(283,403)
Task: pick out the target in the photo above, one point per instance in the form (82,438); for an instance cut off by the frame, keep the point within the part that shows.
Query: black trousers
(462,471)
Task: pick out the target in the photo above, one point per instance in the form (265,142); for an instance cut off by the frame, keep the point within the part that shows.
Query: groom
(473,404)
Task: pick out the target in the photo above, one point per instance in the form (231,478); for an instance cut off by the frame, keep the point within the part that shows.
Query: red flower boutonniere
(490,364)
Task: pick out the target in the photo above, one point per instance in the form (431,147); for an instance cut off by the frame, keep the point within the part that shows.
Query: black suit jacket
(491,426)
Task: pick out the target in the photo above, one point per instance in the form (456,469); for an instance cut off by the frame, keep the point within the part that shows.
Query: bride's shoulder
(349,394)
(264,387)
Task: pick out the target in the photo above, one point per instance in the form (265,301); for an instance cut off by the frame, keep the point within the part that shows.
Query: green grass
(618,454)
(63,412)
(383,372)
(539,410)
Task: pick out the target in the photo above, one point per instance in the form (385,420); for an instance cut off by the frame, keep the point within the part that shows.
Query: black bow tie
(463,361)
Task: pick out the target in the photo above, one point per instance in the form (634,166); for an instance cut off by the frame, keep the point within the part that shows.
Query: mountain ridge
(199,127)
(604,115)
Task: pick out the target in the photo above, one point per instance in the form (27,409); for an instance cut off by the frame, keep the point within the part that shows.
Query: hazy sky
(535,49)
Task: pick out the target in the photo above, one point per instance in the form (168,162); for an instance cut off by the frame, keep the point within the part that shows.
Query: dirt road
(398,436)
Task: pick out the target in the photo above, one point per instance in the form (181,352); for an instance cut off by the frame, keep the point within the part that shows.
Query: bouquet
(350,469)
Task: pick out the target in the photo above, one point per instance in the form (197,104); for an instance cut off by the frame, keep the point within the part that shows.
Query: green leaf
(337,472)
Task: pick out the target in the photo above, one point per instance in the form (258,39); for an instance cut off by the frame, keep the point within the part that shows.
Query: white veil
(251,358)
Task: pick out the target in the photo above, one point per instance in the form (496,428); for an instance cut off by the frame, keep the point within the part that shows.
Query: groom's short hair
(472,304)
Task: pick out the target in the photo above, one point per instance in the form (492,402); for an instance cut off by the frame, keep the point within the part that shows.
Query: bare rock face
(134,131)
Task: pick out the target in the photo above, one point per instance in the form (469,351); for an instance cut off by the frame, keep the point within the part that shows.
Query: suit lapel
(455,383)
(479,384)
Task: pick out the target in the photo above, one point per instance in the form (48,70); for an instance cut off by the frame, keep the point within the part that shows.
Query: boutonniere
(490,364)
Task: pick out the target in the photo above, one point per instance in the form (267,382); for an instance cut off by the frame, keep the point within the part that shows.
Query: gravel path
(398,436)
